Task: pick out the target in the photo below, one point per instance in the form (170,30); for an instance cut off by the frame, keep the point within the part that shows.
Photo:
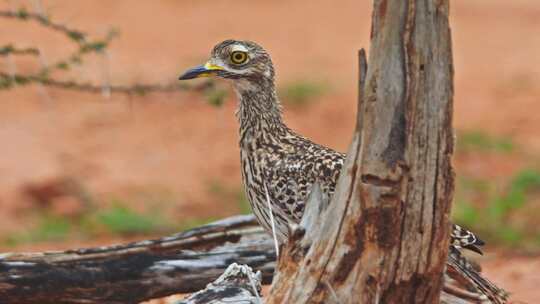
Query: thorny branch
(8,81)
(10,49)
(85,46)
(23,14)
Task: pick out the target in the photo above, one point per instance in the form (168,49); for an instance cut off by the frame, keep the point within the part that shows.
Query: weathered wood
(131,273)
(181,263)
(238,284)
(385,239)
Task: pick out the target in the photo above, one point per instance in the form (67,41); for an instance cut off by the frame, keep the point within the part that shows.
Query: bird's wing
(288,186)
(462,277)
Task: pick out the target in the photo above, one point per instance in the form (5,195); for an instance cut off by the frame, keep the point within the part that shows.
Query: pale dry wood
(385,239)
(238,284)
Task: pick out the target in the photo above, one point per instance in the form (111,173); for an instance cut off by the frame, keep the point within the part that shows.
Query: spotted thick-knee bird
(278,165)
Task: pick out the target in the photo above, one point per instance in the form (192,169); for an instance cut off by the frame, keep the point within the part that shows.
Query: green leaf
(96,46)
(6,49)
(76,35)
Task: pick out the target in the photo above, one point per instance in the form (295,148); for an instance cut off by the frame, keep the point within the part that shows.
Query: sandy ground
(175,145)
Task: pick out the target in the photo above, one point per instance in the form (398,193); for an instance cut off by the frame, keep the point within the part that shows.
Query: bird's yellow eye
(239,57)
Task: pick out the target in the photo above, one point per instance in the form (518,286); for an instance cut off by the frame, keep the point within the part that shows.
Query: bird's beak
(205,70)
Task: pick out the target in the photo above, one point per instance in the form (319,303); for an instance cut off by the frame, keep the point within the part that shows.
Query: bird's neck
(259,112)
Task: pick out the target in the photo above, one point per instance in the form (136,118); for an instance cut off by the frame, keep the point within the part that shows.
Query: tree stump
(385,239)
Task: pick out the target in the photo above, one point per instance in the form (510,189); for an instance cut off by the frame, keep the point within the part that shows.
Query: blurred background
(81,169)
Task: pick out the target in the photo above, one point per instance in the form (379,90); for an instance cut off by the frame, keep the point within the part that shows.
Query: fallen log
(130,273)
(149,269)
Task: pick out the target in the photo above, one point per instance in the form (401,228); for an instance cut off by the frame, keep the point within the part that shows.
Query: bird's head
(244,62)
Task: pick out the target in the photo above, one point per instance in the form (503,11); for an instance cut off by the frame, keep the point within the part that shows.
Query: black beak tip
(195,72)
(185,76)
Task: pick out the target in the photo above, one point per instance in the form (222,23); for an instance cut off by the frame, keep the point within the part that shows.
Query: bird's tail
(460,272)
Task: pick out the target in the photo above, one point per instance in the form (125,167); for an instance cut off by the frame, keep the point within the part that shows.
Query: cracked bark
(394,195)
(138,271)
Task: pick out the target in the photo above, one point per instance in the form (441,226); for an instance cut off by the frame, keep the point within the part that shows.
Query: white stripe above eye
(239,47)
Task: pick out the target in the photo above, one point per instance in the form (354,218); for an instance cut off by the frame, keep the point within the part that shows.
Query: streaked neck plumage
(259,111)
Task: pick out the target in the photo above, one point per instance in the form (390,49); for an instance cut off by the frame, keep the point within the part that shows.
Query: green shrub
(301,93)
(480,141)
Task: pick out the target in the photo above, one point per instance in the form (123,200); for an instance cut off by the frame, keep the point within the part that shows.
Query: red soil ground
(173,145)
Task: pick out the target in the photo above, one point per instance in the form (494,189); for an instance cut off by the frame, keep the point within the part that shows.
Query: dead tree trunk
(385,239)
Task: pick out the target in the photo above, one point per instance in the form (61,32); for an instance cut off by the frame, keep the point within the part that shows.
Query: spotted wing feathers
(461,273)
